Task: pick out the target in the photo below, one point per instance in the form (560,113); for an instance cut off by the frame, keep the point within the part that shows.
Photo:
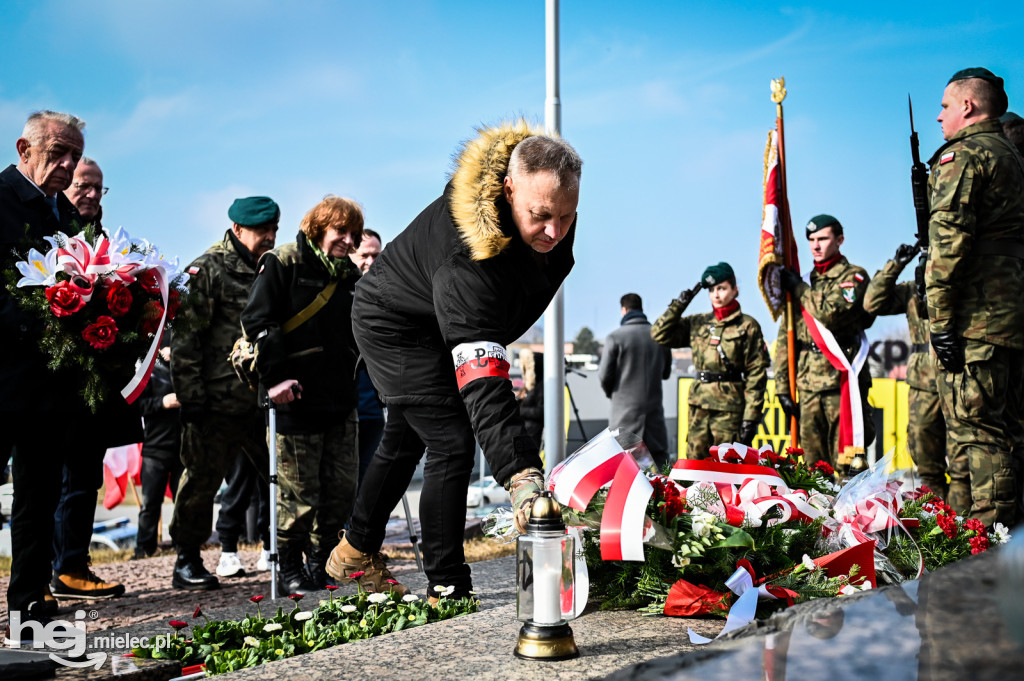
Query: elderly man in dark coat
(632,369)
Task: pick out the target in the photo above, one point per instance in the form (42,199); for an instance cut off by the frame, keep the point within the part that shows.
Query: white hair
(36,124)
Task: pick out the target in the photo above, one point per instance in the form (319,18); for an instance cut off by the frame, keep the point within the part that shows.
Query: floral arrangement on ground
(747,519)
(100,303)
(223,646)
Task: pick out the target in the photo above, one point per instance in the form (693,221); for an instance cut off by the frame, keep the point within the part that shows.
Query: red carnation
(102,333)
(151,315)
(119,298)
(148,280)
(64,301)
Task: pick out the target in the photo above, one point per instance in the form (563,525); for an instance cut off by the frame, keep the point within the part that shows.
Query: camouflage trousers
(819,425)
(926,439)
(982,414)
(208,448)
(317,475)
(709,427)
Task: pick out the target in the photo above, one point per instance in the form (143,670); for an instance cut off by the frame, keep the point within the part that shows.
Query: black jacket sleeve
(265,312)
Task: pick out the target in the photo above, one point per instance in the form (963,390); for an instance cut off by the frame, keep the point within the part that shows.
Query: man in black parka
(432,318)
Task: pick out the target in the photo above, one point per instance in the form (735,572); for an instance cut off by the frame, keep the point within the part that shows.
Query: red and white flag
(776,233)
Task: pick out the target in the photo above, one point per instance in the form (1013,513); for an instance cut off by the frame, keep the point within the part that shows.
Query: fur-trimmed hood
(480,167)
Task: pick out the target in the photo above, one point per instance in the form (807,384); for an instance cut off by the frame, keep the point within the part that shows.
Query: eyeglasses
(87,187)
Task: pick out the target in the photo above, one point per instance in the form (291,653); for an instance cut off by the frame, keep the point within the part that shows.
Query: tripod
(572,401)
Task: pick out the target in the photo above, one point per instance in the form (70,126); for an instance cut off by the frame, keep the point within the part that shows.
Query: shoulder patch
(194,269)
(947,157)
(850,294)
(263,266)
(858,276)
(847,284)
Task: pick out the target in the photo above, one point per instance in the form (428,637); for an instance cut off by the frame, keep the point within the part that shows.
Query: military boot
(348,564)
(191,574)
(291,578)
(316,563)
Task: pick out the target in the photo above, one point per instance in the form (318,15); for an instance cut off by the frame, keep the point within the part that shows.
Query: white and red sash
(851,414)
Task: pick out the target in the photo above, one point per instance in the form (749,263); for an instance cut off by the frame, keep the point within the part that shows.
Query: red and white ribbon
(600,462)
(744,609)
(851,413)
(708,470)
(135,386)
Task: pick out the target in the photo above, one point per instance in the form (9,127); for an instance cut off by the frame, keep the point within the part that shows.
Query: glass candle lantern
(545,582)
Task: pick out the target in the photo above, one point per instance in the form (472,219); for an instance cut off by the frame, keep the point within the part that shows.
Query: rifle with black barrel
(918,183)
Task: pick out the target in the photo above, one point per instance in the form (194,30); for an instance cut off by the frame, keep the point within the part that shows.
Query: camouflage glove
(905,253)
(789,279)
(748,431)
(791,408)
(950,350)
(524,487)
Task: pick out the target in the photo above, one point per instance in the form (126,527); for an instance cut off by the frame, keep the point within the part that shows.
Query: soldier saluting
(974,282)
(730,357)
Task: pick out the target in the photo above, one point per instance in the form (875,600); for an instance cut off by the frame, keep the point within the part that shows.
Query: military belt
(1014,249)
(713,377)
(920,347)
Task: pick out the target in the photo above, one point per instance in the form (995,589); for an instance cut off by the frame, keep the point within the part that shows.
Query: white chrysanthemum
(377,598)
(348,608)
(252,641)
(410,598)
(272,627)
(1000,534)
(303,616)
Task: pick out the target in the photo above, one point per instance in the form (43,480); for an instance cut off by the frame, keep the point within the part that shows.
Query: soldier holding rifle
(974,283)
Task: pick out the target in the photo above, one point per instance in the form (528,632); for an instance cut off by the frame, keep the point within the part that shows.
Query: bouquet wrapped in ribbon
(103,302)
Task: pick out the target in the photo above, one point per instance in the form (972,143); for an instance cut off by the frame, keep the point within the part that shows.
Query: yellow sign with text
(887,395)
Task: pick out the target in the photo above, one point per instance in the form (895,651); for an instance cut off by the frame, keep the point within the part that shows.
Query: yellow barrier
(887,395)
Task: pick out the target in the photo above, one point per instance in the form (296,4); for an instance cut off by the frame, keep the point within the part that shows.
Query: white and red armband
(479,359)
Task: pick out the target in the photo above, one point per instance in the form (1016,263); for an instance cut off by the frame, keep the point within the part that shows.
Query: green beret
(822,221)
(716,274)
(1010,117)
(978,72)
(254,211)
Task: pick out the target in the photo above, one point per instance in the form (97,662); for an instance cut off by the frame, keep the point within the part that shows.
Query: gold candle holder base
(546,643)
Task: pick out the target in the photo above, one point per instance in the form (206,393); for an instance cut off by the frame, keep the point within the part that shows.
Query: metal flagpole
(554,332)
(272,448)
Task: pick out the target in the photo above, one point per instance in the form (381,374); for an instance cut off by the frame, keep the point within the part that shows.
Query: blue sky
(191,104)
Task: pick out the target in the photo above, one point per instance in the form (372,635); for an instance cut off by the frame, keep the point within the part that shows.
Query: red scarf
(723,312)
(822,267)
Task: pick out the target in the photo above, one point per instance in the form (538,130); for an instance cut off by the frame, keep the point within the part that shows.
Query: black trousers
(245,486)
(158,470)
(370,433)
(39,449)
(76,510)
(446,435)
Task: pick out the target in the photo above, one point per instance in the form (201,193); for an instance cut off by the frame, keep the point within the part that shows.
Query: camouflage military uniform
(732,349)
(835,298)
(975,282)
(926,427)
(222,419)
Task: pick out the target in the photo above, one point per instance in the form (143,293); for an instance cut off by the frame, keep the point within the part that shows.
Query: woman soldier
(730,358)
(299,315)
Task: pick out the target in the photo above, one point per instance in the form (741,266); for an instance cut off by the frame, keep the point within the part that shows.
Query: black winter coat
(426,295)
(320,354)
(25,218)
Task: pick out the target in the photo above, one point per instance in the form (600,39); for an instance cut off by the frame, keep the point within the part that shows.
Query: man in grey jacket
(632,369)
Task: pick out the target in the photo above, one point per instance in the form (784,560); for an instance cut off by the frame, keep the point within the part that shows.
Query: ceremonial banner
(776,235)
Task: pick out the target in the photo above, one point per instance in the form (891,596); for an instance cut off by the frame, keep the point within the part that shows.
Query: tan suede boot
(348,564)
